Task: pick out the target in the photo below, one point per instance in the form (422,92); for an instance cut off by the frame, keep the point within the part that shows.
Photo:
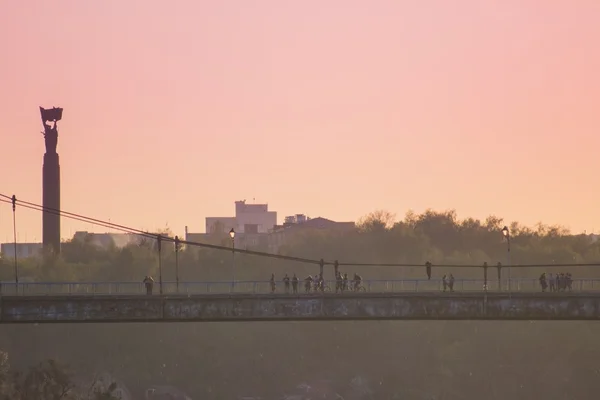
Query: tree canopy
(436,236)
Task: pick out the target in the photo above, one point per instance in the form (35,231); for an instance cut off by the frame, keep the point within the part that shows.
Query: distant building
(293,225)
(256,226)
(24,250)
(252,223)
(220,225)
(249,218)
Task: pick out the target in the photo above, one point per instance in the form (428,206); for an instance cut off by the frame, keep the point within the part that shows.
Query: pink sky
(174,110)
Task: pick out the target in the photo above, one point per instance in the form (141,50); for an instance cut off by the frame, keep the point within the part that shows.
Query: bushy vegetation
(401,360)
(48,380)
(438,237)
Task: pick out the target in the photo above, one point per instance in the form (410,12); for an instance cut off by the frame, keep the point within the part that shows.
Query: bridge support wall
(41,309)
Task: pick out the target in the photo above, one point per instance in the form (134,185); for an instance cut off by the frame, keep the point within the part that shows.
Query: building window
(217,227)
(250,228)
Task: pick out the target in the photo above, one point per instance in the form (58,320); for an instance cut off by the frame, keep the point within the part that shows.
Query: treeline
(438,237)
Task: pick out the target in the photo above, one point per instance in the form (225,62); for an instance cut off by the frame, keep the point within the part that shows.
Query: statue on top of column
(50,131)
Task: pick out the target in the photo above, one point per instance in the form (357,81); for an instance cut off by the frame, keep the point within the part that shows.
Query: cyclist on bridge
(319,283)
(149,283)
(308,283)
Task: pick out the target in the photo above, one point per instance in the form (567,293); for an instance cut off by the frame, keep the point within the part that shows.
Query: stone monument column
(51,182)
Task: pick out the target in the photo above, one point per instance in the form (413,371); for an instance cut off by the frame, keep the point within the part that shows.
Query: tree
(5,376)
(46,381)
(106,394)
(101,388)
(377,221)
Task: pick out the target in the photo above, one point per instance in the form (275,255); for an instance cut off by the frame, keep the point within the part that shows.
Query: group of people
(317,283)
(559,282)
(341,283)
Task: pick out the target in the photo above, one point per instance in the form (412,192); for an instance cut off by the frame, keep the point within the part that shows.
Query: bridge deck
(252,287)
(274,307)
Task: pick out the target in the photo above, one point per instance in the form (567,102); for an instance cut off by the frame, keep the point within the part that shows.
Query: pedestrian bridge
(289,307)
(258,287)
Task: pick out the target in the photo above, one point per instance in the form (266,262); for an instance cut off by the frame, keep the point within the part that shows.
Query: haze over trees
(438,237)
(399,360)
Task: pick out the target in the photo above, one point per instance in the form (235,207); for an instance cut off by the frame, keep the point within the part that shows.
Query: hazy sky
(174,110)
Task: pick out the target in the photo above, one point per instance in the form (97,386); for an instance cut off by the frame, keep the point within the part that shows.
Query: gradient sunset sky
(175,109)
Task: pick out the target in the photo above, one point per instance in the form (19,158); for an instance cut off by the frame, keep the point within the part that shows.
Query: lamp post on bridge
(14,208)
(177,244)
(159,247)
(485,280)
(506,234)
(499,267)
(232,235)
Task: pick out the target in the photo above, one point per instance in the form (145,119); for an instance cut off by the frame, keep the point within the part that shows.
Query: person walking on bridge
(543,283)
(149,283)
(338,282)
(286,283)
(551,282)
(295,284)
(428,270)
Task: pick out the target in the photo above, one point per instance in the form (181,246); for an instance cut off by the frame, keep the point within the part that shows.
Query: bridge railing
(256,287)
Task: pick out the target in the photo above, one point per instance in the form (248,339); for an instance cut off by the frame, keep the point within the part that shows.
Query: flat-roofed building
(24,250)
(252,224)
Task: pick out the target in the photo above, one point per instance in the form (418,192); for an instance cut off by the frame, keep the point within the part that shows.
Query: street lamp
(232,235)
(177,245)
(14,207)
(14,203)
(506,234)
(159,246)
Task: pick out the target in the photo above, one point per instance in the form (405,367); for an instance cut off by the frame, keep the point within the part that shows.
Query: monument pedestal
(51,203)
